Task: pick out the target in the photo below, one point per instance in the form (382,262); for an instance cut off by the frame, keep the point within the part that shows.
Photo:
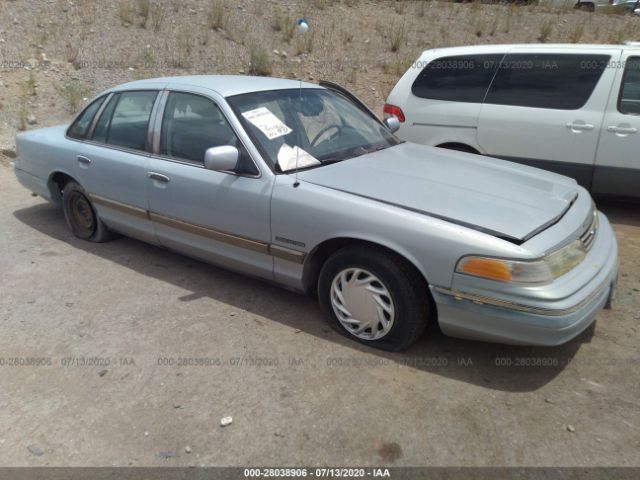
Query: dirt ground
(92,336)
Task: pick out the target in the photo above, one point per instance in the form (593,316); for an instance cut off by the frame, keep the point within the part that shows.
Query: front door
(222,217)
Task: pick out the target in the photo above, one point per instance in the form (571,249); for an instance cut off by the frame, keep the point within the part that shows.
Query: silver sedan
(302,185)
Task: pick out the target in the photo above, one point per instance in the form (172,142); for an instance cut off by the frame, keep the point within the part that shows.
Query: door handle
(580,126)
(616,129)
(83,159)
(158,176)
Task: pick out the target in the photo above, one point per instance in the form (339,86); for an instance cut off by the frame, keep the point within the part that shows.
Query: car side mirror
(222,158)
(392,123)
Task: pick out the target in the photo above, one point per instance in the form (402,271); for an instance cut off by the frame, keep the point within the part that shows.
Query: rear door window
(629,101)
(125,121)
(553,81)
(462,78)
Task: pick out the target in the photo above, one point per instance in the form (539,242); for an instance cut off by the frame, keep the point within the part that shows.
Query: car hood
(504,199)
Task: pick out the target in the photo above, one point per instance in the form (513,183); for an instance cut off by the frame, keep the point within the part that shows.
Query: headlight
(543,270)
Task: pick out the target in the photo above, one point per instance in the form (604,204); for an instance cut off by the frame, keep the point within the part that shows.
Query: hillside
(54,54)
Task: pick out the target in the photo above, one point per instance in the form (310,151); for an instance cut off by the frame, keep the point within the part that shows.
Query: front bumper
(549,315)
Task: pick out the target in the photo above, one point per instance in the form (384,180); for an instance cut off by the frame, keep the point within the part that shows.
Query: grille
(589,235)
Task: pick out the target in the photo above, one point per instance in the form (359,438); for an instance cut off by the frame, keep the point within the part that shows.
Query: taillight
(393,110)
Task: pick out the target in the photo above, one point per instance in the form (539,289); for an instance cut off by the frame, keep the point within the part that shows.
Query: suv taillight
(393,110)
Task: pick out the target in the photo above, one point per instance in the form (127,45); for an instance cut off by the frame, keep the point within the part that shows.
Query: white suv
(572,109)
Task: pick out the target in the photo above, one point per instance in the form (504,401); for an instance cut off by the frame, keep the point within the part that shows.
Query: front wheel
(374,297)
(81,216)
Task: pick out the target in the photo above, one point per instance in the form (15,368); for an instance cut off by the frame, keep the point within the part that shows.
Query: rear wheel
(585,7)
(81,217)
(374,297)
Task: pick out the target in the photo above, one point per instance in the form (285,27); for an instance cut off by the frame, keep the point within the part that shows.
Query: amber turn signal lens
(487,268)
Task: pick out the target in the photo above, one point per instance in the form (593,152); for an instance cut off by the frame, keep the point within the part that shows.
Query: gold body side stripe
(235,240)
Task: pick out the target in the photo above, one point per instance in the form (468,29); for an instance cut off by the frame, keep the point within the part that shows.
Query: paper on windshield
(267,122)
(287,158)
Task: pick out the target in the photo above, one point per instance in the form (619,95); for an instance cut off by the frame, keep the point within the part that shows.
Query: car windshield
(309,127)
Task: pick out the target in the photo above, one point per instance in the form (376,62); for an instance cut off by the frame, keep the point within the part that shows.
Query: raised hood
(504,199)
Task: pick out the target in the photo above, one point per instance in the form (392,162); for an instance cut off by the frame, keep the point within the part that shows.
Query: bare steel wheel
(81,216)
(362,304)
(374,296)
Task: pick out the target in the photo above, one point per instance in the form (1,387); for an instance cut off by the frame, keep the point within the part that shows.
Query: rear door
(545,108)
(112,164)
(617,169)
(443,103)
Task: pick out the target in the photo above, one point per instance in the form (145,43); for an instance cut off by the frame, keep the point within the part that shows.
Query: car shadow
(494,366)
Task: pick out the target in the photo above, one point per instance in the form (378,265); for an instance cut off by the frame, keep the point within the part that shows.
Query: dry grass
(126,12)
(259,63)
(157,15)
(576,33)
(181,55)
(284,24)
(72,94)
(29,87)
(545,30)
(23,115)
(144,9)
(304,42)
(216,15)
(397,35)
(72,54)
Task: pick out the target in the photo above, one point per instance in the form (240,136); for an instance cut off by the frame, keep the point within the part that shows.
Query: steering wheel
(323,131)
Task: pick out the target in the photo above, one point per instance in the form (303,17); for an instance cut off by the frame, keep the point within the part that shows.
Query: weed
(545,30)
(23,115)
(157,16)
(72,53)
(397,36)
(184,46)
(29,86)
(576,33)
(259,63)
(304,43)
(72,93)
(144,11)
(216,15)
(126,12)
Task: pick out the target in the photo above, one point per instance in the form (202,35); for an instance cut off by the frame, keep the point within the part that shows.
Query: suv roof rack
(632,43)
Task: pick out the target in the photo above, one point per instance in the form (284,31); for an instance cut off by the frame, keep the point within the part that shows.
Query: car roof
(225,85)
(530,46)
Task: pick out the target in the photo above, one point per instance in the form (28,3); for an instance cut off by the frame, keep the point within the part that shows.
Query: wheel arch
(56,183)
(460,147)
(321,252)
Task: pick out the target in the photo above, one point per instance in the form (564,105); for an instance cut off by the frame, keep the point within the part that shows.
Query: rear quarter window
(629,101)
(80,127)
(462,78)
(553,81)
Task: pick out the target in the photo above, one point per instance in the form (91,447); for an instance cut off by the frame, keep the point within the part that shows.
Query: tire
(82,218)
(585,7)
(357,281)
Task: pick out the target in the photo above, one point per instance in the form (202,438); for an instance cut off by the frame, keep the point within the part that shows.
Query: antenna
(296,183)
(303,26)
